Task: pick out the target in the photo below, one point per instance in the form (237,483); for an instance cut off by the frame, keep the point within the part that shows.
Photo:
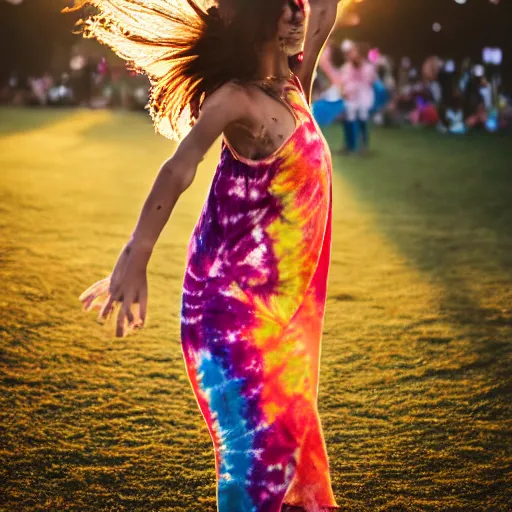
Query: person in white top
(355,80)
(357,77)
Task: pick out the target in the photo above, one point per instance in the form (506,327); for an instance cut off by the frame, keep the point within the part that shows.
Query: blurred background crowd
(88,82)
(453,95)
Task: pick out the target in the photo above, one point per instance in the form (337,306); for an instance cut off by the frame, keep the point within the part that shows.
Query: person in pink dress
(355,80)
(357,77)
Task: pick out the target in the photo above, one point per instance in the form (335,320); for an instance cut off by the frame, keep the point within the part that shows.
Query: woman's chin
(293,47)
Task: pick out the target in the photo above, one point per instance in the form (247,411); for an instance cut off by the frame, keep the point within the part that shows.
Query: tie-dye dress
(252,315)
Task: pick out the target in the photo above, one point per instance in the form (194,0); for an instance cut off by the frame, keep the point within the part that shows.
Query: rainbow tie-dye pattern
(252,316)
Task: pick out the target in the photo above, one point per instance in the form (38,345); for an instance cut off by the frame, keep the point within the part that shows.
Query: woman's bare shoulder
(233,98)
(228,106)
(236,104)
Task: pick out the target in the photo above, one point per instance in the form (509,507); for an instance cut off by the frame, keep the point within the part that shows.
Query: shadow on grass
(445,204)
(15,120)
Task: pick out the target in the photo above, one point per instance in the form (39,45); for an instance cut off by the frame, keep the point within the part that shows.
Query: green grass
(415,391)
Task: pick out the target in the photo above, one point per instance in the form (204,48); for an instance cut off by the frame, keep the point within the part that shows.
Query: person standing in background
(357,77)
(355,80)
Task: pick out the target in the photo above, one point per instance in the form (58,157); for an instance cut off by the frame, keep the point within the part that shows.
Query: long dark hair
(186,50)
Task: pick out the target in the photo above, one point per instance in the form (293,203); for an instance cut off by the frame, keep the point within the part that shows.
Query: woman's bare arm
(321,22)
(127,282)
(227,105)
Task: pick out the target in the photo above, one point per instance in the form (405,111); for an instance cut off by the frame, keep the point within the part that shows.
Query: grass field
(416,386)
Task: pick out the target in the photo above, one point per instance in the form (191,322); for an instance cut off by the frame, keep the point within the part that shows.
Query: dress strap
(294,79)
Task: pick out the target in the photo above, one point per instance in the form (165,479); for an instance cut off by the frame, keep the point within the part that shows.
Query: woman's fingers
(120,323)
(104,295)
(129,316)
(143,304)
(94,296)
(107,308)
(95,289)
(124,314)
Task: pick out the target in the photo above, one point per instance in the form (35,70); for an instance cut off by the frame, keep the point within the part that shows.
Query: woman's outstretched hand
(127,286)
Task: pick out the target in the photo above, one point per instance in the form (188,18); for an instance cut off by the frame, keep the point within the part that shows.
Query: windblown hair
(186,50)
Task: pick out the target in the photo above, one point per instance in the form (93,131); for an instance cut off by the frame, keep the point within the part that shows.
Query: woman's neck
(273,63)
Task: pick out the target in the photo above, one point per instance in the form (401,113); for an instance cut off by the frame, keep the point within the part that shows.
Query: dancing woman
(254,289)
